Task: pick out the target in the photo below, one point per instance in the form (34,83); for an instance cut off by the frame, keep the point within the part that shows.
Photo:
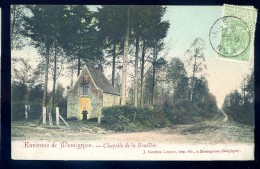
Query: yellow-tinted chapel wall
(110,100)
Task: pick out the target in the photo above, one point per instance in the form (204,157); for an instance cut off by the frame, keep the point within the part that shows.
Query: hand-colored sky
(190,22)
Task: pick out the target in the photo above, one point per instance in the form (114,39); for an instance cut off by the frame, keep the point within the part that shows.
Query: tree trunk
(154,71)
(54,82)
(13,25)
(153,84)
(125,60)
(72,74)
(192,80)
(100,67)
(142,74)
(44,100)
(162,95)
(113,65)
(243,91)
(136,71)
(174,97)
(78,64)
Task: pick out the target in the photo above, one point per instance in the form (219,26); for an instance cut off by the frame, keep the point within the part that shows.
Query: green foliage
(241,114)
(200,89)
(17,39)
(35,95)
(79,36)
(128,118)
(176,70)
(196,57)
(179,108)
(19,93)
(237,111)
(43,25)
(168,112)
(196,60)
(182,89)
(23,95)
(148,82)
(149,88)
(210,104)
(240,106)
(185,111)
(250,86)
(177,76)
(23,72)
(111,22)
(151,26)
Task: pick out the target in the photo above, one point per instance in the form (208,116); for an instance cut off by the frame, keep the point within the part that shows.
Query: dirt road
(219,130)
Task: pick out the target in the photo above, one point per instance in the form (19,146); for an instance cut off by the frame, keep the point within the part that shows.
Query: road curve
(225,115)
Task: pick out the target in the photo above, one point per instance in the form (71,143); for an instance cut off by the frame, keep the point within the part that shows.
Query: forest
(239,106)
(130,41)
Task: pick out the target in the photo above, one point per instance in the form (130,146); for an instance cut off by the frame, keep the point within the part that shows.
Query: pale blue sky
(190,22)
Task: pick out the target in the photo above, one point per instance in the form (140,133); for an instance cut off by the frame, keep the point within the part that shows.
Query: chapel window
(84,87)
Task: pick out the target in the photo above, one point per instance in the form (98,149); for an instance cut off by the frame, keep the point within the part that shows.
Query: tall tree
(240,106)
(57,61)
(177,75)
(200,89)
(250,86)
(235,99)
(111,23)
(137,27)
(24,73)
(148,88)
(43,28)
(136,69)
(59,94)
(24,76)
(196,60)
(17,38)
(157,64)
(142,71)
(159,32)
(79,36)
(152,32)
(125,59)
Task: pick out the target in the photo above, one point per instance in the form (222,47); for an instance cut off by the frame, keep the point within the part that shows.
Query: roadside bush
(241,114)
(17,110)
(128,118)
(186,112)
(169,114)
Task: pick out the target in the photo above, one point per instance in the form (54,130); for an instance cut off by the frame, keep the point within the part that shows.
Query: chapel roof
(101,81)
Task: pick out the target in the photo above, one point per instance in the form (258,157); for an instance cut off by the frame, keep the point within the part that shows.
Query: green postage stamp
(232,36)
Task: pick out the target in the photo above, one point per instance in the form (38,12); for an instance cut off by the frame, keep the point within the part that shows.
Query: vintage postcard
(107,82)
(1,71)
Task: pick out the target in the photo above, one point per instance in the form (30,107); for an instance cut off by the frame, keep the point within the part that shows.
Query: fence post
(57,116)
(50,119)
(99,116)
(29,109)
(26,112)
(44,115)
(64,121)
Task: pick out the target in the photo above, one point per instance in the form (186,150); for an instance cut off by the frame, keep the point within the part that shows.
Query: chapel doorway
(85,102)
